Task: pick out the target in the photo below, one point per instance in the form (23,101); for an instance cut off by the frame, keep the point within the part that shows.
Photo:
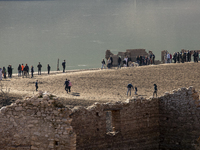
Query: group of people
(185,56)
(23,70)
(4,72)
(130,86)
(68,85)
(181,57)
(141,60)
(146,60)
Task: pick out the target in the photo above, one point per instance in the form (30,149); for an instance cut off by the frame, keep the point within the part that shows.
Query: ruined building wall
(168,122)
(135,125)
(179,119)
(36,124)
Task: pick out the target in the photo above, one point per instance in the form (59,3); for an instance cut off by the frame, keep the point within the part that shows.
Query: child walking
(36,85)
(155,90)
(135,90)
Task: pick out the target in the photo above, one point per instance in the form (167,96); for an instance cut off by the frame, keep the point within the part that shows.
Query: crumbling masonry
(41,123)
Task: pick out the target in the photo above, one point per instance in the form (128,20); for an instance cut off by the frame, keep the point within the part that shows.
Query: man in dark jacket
(64,64)
(25,70)
(119,62)
(111,59)
(197,56)
(32,71)
(48,68)
(10,71)
(153,58)
(129,86)
(39,68)
(19,70)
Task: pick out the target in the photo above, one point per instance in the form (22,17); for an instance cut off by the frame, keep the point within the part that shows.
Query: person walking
(135,90)
(48,68)
(19,70)
(155,90)
(66,85)
(32,71)
(69,85)
(36,85)
(63,65)
(39,68)
(0,74)
(129,86)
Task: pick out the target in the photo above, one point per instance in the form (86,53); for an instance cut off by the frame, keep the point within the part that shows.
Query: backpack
(70,84)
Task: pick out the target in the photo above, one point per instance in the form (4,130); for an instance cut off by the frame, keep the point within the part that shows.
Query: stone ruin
(42,123)
(131,53)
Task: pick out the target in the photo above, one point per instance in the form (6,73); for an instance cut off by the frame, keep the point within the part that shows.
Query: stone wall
(179,119)
(135,125)
(170,122)
(36,124)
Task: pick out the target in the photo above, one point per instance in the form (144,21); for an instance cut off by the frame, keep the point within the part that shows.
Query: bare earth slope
(110,85)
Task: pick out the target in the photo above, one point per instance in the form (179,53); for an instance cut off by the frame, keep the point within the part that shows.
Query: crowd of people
(23,70)
(181,57)
(140,60)
(146,60)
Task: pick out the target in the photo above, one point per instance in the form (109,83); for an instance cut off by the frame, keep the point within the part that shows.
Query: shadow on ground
(75,94)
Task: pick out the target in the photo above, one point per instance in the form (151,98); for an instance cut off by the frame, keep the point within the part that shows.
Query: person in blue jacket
(129,86)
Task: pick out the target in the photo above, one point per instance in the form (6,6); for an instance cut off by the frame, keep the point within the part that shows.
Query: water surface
(80,31)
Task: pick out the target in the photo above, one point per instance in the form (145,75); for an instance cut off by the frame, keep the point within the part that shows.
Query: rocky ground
(108,85)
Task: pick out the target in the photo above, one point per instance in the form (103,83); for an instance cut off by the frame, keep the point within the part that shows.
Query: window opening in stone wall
(109,127)
(113,122)
(56,143)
